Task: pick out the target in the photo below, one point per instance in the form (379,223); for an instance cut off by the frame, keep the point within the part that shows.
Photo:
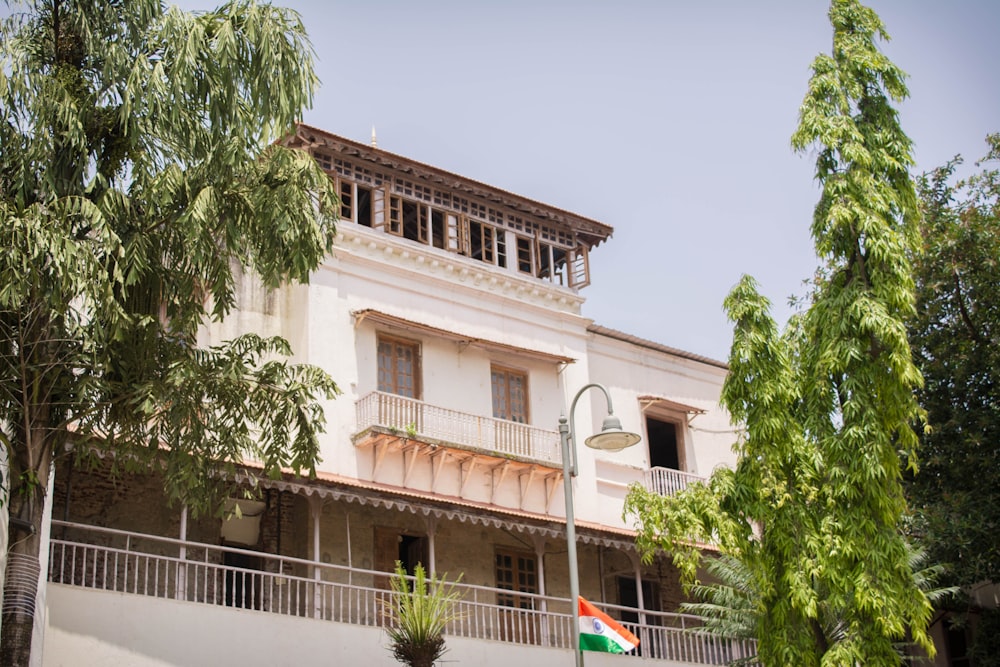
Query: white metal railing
(140,564)
(667,481)
(418,419)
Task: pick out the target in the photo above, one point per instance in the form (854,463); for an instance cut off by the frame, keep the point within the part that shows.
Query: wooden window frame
(394,216)
(423,223)
(380,206)
(404,342)
(578,267)
(348,202)
(509,371)
(516,596)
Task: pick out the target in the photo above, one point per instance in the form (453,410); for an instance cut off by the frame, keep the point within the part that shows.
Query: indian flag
(599,632)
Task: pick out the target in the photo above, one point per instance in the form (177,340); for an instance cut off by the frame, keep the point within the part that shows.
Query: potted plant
(419,609)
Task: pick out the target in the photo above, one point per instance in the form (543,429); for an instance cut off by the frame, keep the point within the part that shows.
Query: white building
(449,314)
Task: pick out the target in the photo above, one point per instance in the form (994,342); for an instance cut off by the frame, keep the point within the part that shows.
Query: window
(510,394)
(551,263)
(346,193)
(956,643)
(447,221)
(524,263)
(364,206)
(399,367)
(516,572)
(665,448)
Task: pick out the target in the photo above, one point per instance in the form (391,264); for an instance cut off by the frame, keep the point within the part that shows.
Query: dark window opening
(476,240)
(957,645)
(364,205)
(437,229)
(411,221)
(391,546)
(662,439)
(650,602)
(627,598)
(412,551)
(559,265)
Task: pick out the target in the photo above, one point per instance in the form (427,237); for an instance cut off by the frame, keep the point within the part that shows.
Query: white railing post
(181,577)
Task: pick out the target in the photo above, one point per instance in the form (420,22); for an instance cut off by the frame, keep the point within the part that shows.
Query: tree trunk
(20,591)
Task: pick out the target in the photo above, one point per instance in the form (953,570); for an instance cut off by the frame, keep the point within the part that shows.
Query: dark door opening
(627,597)
(242,584)
(662,439)
(392,546)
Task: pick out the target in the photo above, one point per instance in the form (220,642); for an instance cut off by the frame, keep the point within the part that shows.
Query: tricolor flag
(599,632)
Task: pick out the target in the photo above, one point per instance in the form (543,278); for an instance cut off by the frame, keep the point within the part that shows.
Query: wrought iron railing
(140,564)
(667,481)
(417,419)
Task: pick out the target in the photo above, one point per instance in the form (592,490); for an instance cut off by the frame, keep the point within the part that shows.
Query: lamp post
(611,438)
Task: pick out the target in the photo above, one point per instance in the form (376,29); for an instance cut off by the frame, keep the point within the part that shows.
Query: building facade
(450,315)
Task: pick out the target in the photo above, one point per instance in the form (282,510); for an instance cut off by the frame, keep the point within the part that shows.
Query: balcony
(667,481)
(419,421)
(138,564)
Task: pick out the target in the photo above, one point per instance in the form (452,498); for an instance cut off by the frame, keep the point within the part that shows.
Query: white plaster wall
(454,376)
(372,270)
(102,629)
(631,371)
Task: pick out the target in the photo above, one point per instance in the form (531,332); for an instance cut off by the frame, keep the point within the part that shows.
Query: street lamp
(611,438)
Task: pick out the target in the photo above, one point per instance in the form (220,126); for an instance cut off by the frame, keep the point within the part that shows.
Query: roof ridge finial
(374,140)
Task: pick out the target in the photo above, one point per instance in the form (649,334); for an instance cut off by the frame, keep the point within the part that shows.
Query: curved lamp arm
(611,438)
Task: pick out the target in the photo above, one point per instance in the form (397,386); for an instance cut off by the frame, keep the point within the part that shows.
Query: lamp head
(612,438)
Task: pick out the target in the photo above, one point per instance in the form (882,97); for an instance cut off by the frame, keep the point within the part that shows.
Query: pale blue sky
(668,120)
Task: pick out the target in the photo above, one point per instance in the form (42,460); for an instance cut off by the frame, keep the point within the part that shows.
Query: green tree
(137,175)
(955,334)
(727,603)
(814,506)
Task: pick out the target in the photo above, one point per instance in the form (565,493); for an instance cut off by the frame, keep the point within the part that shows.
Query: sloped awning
(345,489)
(401,324)
(672,404)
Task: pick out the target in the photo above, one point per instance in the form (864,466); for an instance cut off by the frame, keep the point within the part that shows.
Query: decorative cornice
(358,242)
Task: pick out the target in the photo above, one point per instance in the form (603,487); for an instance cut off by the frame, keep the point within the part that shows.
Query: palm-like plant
(728,605)
(420,608)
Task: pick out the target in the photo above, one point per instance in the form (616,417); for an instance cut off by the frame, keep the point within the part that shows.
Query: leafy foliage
(956,341)
(813,509)
(420,608)
(728,602)
(138,176)
(955,333)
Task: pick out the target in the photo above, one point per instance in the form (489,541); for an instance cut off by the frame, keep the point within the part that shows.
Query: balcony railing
(139,564)
(667,481)
(421,420)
